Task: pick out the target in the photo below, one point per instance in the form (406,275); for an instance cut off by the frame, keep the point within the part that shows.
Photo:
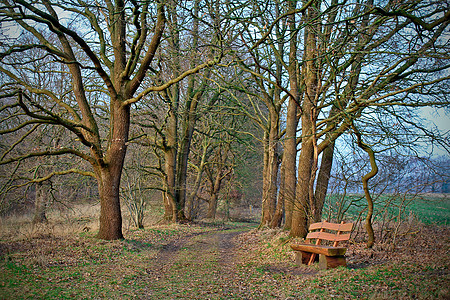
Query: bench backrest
(329,231)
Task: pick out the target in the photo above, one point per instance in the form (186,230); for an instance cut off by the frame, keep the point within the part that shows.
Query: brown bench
(329,256)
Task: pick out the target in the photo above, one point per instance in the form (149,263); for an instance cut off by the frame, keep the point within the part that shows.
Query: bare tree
(196,33)
(365,181)
(107,56)
(346,73)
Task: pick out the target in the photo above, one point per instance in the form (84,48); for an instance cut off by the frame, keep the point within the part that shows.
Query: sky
(441,119)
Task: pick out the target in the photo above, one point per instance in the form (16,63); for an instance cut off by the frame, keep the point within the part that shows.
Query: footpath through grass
(210,261)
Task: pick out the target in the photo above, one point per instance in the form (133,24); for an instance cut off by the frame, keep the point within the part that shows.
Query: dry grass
(61,222)
(64,221)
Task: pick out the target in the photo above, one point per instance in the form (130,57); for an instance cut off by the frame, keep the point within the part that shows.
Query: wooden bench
(329,256)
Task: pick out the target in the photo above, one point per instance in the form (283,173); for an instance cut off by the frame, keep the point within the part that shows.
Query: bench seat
(320,249)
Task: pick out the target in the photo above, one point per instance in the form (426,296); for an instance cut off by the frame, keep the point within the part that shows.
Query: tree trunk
(365,181)
(41,202)
(216,185)
(300,209)
(273,101)
(109,173)
(191,199)
(170,209)
(170,154)
(212,206)
(170,140)
(170,213)
(289,162)
(278,216)
(183,156)
(110,213)
(290,144)
(306,159)
(189,119)
(323,179)
(271,170)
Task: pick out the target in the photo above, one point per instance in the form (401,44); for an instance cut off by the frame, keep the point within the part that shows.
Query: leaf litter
(218,261)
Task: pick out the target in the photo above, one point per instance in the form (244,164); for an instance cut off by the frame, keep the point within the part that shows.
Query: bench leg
(298,258)
(302,257)
(328,262)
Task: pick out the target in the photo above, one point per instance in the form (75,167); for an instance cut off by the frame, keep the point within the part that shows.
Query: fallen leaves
(218,262)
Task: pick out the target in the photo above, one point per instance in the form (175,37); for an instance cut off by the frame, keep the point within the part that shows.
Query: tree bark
(170,156)
(300,209)
(183,155)
(212,206)
(290,144)
(278,216)
(365,182)
(306,158)
(110,212)
(216,182)
(190,214)
(323,179)
(109,172)
(41,202)
(270,169)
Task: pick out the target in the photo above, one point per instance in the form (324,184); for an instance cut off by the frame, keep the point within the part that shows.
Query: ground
(217,261)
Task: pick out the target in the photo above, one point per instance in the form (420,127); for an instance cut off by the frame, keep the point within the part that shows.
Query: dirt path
(197,267)
(217,265)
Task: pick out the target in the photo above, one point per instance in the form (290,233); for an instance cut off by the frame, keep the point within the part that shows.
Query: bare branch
(49,153)
(171,82)
(55,26)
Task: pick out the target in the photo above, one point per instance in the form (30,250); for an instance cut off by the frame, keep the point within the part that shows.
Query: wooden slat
(319,249)
(332,226)
(328,236)
(313,256)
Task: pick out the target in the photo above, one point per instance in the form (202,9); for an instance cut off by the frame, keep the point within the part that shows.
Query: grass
(82,267)
(69,271)
(200,261)
(432,210)
(416,269)
(391,281)
(427,208)
(41,263)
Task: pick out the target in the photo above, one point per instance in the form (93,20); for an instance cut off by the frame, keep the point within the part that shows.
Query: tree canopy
(191,80)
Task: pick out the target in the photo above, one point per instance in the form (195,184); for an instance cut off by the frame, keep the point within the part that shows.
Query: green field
(428,209)
(432,210)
